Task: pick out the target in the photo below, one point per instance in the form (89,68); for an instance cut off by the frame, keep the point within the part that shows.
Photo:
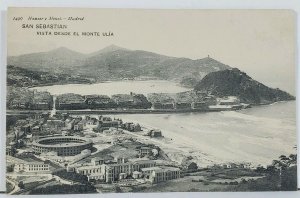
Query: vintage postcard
(133,100)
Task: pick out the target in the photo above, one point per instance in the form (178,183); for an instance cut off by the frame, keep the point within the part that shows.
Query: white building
(27,166)
(229,100)
(30,167)
(164,174)
(160,174)
(114,171)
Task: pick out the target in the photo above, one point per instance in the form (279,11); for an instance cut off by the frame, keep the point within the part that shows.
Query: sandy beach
(223,137)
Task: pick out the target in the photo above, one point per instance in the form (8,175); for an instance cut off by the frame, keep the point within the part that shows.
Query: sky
(261,43)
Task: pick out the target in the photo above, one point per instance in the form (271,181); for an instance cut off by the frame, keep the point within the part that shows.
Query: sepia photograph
(150,100)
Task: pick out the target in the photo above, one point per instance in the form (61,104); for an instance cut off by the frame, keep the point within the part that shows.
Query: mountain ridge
(106,49)
(114,62)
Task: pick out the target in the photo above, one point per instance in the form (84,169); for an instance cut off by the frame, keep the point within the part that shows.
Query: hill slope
(114,62)
(56,60)
(233,82)
(21,77)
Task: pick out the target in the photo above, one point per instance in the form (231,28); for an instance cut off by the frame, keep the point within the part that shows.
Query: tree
(279,164)
(21,185)
(118,189)
(260,169)
(293,158)
(289,179)
(271,169)
(192,166)
(285,160)
(9,169)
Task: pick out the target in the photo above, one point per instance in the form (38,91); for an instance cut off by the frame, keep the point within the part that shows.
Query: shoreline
(132,111)
(115,112)
(176,142)
(177,149)
(96,82)
(53,84)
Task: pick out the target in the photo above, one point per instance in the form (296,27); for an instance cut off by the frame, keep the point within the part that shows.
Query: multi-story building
(143,151)
(210,100)
(183,105)
(123,100)
(199,105)
(99,101)
(161,174)
(161,101)
(54,124)
(106,123)
(155,133)
(31,167)
(10,150)
(70,101)
(42,100)
(140,101)
(129,126)
(164,105)
(36,129)
(132,100)
(114,171)
(229,100)
(92,171)
(78,126)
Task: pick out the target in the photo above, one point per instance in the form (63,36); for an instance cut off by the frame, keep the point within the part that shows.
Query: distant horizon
(83,53)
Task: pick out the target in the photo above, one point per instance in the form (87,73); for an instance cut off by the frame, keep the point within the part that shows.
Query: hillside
(54,60)
(21,77)
(114,63)
(233,82)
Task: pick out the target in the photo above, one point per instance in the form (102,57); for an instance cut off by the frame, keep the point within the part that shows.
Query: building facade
(114,171)
(30,167)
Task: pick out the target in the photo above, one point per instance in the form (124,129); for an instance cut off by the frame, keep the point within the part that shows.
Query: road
(14,183)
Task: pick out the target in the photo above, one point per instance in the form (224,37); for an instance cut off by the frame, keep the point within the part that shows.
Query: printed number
(18,18)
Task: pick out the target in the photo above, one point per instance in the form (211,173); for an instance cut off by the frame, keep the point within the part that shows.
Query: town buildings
(164,174)
(24,98)
(121,169)
(70,101)
(132,100)
(123,100)
(104,123)
(155,133)
(99,102)
(229,100)
(42,100)
(145,151)
(129,126)
(27,166)
(199,105)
